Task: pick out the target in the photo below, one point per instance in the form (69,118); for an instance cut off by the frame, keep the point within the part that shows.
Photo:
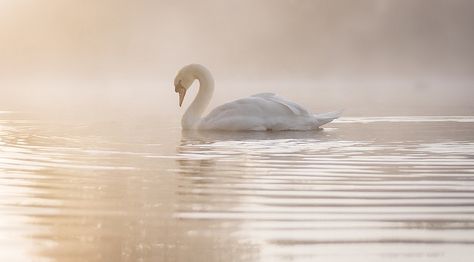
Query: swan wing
(264,111)
(264,95)
(293,107)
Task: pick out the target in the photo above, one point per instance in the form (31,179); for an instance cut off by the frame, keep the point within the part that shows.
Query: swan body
(260,112)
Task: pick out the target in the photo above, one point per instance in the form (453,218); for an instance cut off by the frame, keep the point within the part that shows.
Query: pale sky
(107,43)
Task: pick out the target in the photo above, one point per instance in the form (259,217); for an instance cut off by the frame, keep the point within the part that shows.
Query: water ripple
(123,193)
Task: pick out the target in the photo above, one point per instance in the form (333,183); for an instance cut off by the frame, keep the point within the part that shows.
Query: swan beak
(182,92)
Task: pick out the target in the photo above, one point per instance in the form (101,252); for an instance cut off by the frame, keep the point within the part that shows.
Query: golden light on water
(94,164)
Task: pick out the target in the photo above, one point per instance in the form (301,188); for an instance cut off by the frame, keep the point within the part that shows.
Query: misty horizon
(73,53)
(237,130)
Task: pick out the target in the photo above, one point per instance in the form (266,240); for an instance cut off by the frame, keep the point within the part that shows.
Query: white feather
(260,112)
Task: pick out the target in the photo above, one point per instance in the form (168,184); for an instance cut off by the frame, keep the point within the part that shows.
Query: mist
(366,154)
(371,57)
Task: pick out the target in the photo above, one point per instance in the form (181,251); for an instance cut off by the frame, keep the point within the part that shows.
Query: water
(363,189)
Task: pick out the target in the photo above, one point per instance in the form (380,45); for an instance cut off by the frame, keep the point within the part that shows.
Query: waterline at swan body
(260,112)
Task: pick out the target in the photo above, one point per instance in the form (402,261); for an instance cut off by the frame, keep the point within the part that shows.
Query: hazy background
(114,57)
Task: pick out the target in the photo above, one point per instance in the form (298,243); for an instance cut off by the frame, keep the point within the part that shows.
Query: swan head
(183,80)
(186,76)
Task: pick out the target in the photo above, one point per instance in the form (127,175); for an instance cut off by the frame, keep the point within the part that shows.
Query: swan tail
(328,117)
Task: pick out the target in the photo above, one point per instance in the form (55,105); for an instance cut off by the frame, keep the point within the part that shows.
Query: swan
(260,112)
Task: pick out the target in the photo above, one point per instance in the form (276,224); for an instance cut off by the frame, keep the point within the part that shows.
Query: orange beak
(181,91)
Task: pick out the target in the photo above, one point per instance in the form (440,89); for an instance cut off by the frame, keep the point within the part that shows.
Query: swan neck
(193,114)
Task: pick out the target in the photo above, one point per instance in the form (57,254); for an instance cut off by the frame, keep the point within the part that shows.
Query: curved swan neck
(193,114)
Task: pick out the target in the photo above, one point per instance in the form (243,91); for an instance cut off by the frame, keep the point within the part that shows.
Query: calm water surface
(363,189)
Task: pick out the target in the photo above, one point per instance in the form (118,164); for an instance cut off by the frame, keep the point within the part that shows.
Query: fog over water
(372,57)
(94,164)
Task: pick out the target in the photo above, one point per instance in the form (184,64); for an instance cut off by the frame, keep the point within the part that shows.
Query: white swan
(260,112)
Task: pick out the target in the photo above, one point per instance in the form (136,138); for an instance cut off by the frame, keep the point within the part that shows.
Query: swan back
(260,112)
